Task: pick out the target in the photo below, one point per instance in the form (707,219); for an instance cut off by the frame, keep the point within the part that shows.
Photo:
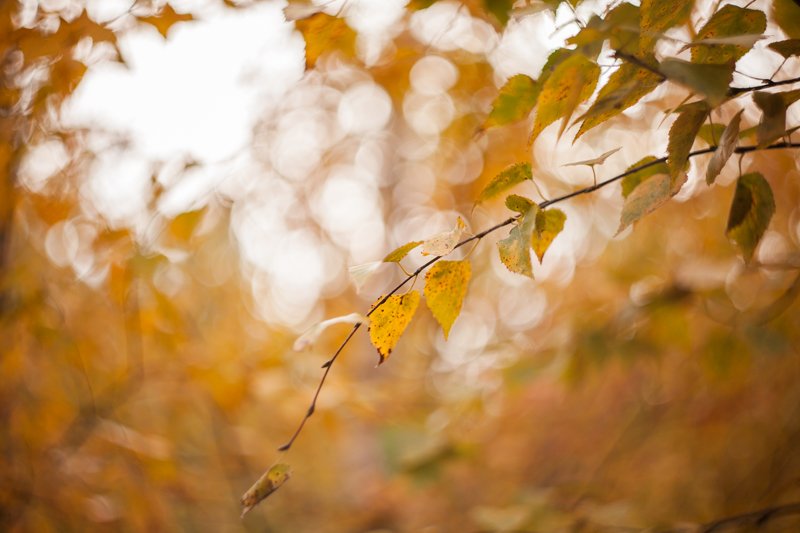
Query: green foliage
(514,102)
(509,177)
(682,135)
(641,170)
(709,80)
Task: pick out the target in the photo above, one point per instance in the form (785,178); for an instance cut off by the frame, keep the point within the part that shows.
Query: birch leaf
(647,197)
(728,35)
(520,204)
(268,483)
(445,287)
(632,180)
(751,211)
(515,250)
(682,135)
(788,48)
(710,80)
(786,14)
(389,321)
(549,223)
(599,160)
(515,101)
(399,253)
(658,16)
(727,144)
(445,242)
(507,178)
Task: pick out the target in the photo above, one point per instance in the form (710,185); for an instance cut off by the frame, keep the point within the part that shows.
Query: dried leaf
(268,483)
(324,33)
(786,14)
(649,196)
(444,243)
(514,102)
(399,253)
(360,274)
(389,321)
(165,19)
(682,135)
(515,250)
(710,80)
(549,223)
(599,160)
(788,48)
(727,144)
(312,334)
(728,35)
(509,177)
(572,82)
(632,180)
(445,287)
(751,211)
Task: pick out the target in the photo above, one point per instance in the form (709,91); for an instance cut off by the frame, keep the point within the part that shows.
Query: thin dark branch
(735,91)
(586,190)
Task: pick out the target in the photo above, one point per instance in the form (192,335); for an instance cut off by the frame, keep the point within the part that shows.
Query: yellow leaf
(445,287)
(397,255)
(515,250)
(514,102)
(714,44)
(268,483)
(389,321)
(324,33)
(510,176)
(165,19)
(682,135)
(549,224)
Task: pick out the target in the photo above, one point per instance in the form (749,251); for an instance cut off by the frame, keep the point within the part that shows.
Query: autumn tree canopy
(564,236)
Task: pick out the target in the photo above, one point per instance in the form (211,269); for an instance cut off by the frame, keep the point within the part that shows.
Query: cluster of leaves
(630,35)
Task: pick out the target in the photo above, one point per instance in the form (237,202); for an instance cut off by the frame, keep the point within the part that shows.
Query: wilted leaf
(520,204)
(360,274)
(515,250)
(397,255)
(658,16)
(682,135)
(648,196)
(268,483)
(324,33)
(710,80)
(165,19)
(445,242)
(773,118)
(632,180)
(445,287)
(788,48)
(786,13)
(626,86)
(389,321)
(312,334)
(599,160)
(514,102)
(508,177)
(727,144)
(751,211)
(549,223)
(728,35)
(572,82)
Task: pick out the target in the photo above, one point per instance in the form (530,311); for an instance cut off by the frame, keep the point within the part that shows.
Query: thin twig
(586,190)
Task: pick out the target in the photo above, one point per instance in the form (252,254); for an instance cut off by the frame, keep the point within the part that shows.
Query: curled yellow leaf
(268,483)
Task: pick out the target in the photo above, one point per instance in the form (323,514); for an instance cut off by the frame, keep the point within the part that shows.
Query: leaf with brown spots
(268,483)
(445,287)
(729,23)
(389,321)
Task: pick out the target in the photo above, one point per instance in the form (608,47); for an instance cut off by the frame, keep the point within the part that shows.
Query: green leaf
(515,250)
(773,118)
(711,133)
(268,483)
(710,80)
(626,86)
(572,82)
(549,223)
(509,177)
(515,101)
(658,16)
(648,196)
(397,255)
(787,49)
(620,27)
(632,180)
(727,144)
(729,22)
(390,320)
(682,135)
(751,211)
(786,14)
(520,204)
(445,287)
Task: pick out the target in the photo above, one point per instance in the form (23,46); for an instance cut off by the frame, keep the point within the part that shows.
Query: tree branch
(586,190)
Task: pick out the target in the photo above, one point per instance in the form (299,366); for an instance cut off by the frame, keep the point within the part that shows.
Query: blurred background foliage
(146,372)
